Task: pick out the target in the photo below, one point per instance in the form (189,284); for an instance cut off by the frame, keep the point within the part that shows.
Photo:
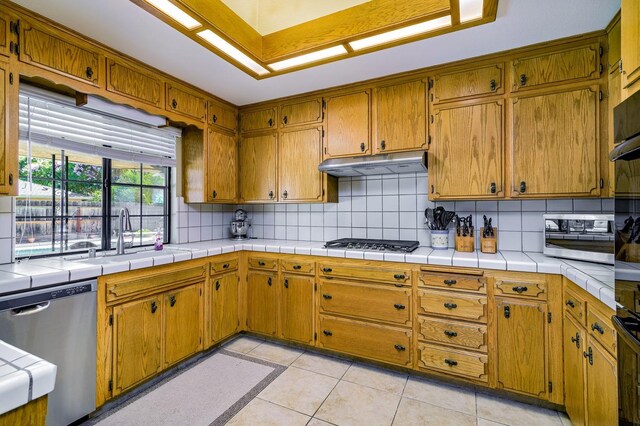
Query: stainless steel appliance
(373,245)
(627,256)
(380,164)
(240,225)
(58,324)
(587,237)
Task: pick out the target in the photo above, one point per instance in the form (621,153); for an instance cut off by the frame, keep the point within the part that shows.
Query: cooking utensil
(428,213)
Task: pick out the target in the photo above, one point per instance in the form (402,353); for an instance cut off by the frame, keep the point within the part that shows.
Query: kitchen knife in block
(489,244)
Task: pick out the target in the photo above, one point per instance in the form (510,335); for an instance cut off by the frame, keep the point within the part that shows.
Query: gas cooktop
(377,245)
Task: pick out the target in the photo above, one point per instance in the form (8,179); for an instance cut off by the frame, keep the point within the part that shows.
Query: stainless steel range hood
(381,164)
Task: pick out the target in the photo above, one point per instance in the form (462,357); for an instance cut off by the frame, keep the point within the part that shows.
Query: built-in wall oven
(626,155)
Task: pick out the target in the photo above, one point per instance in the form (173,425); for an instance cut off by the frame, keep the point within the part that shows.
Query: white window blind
(54,120)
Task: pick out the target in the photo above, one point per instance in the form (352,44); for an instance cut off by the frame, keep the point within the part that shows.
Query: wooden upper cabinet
(465,84)
(185,102)
(222,116)
(299,153)
(222,167)
(614,52)
(466,156)
(301,112)
(5,37)
(578,63)
(61,54)
(257,120)
(8,130)
(630,43)
(555,146)
(401,116)
(182,323)
(257,157)
(223,308)
(348,124)
(133,82)
(296,308)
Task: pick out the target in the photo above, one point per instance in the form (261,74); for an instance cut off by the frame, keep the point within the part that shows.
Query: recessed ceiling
(125,27)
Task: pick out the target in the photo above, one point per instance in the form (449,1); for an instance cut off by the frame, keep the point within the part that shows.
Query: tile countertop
(23,377)
(595,278)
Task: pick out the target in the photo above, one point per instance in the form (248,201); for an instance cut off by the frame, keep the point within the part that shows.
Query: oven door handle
(626,335)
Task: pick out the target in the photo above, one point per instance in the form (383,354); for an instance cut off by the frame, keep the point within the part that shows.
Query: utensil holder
(489,244)
(465,244)
(630,252)
(440,239)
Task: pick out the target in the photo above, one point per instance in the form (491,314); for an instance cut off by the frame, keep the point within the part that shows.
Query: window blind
(54,120)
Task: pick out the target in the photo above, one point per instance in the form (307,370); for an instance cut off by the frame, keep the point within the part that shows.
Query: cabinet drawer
(453,361)
(375,302)
(471,336)
(572,64)
(224,266)
(376,342)
(183,102)
(130,81)
(463,84)
(263,263)
(452,305)
(222,116)
(601,329)
(575,304)
(398,276)
(60,54)
(521,288)
(264,119)
(306,112)
(454,282)
(298,267)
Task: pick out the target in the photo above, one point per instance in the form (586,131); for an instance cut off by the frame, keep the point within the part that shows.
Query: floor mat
(208,393)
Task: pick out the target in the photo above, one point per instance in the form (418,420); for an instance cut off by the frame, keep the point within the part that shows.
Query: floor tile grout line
(325,399)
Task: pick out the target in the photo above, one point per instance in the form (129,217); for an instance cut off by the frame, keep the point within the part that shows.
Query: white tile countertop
(23,377)
(595,278)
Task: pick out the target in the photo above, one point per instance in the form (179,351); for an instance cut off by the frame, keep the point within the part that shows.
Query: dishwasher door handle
(29,310)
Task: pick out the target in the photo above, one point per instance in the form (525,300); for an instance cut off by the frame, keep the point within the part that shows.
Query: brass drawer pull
(172,301)
(450,362)
(450,282)
(570,303)
(217,285)
(399,306)
(154,307)
(286,283)
(89,72)
(597,327)
(589,355)
(297,267)
(450,306)
(450,334)
(225,266)
(327,296)
(327,270)
(269,281)
(261,263)
(576,340)
(492,85)
(520,289)
(399,276)
(327,332)
(400,348)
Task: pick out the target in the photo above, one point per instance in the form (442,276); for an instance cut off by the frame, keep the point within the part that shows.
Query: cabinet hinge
(549,317)
(601,51)
(323,192)
(325,149)
(429,140)
(430,84)
(315,286)
(315,336)
(11,78)
(324,104)
(601,68)
(323,129)
(601,183)
(110,385)
(111,319)
(550,387)
(600,96)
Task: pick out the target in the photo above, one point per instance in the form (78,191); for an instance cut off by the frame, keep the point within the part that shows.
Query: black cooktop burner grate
(378,245)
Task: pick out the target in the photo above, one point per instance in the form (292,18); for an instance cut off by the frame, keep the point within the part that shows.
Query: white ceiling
(129,29)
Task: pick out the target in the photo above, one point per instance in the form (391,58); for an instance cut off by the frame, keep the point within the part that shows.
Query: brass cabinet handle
(523,187)
(523,79)
(10,178)
(286,283)
(174,104)
(383,145)
(154,307)
(450,334)
(327,296)
(327,332)
(327,270)
(285,194)
(269,281)
(225,266)
(450,282)
(570,303)
(270,122)
(492,85)
(450,306)
(172,301)
(520,289)
(597,327)
(589,355)
(399,306)
(493,188)
(296,267)
(450,362)
(284,120)
(217,285)
(214,118)
(271,195)
(507,312)
(576,340)
(399,276)
(214,194)
(362,147)
(400,348)
(261,263)
(89,72)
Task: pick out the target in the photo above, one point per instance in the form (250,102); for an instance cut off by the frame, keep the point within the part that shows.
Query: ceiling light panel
(223,45)
(308,58)
(175,13)
(470,10)
(400,33)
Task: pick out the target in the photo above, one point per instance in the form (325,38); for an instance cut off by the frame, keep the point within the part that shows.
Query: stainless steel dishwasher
(58,324)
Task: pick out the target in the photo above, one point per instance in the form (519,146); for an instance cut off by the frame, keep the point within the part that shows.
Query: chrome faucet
(124,225)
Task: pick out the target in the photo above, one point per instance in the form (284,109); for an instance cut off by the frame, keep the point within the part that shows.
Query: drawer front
(454,282)
(369,302)
(521,288)
(185,103)
(224,266)
(600,327)
(398,276)
(466,335)
(256,262)
(258,120)
(575,305)
(298,267)
(376,342)
(453,361)
(476,82)
(307,112)
(453,305)
(127,80)
(60,55)
(222,116)
(540,70)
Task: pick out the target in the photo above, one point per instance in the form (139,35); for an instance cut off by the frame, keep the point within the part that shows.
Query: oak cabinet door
(260,120)
(401,117)
(348,124)
(261,302)
(5,34)
(137,328)
(296,308)
(574,385)
(630,43)
(134,83)
(301,112)
(602,385)
(222,167)
(467,151)
(257,157)
(185,102)
(223,116)
(521,346)
(182,323)
(299,154)
(8,130)
(224,306)
(555,146)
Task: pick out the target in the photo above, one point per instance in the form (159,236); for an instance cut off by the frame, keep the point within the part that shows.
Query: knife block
(465,244)
(489,244)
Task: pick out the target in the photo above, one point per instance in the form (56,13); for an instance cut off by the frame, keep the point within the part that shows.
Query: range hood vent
(381,164)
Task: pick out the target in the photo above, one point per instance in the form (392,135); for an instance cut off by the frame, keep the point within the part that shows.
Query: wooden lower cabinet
(261,302)
(574,400)
(601,374)
(33,413)
(182,323)
(296,307)
(223,306)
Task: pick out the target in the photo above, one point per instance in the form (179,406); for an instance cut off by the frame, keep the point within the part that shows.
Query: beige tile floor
(320,390)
